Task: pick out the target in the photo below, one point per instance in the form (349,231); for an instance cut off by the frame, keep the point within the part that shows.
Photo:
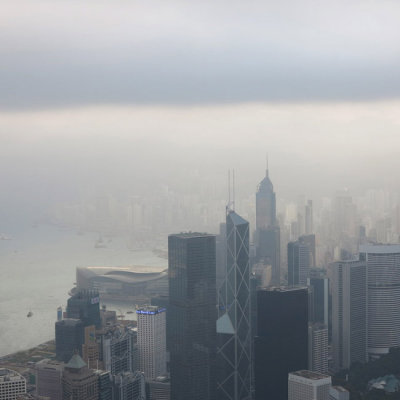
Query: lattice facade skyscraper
(233,325)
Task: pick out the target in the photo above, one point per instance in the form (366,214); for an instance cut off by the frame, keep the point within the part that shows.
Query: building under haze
(383,265)
(318,353)
(192,315)
(152,335)
(298,263)
(70,336)
(234,356)
(281,343)
(48,378)
(267,235)
(349,313)
(85,305)
(12,384)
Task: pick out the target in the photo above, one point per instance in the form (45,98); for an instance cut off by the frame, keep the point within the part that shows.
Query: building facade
(318,348)
(192,315)
(129,386)
(298,263)
(383,265)
(308,385)
(151,324)
(281,343)
(49,378)
(234,353)
(349,313)
(12,384)
(85,305)
(69,338)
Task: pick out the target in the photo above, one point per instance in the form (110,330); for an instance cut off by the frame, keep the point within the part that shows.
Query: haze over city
(119,122)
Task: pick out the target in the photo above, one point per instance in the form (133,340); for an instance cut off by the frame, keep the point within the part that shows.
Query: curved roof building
(136,283)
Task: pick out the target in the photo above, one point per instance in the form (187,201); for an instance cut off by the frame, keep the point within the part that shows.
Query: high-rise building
(349,312)
(308,385)
(104,385)
(118,346)
(129,386)
(192,315)
(234,322)
(383,264)
(78,381)
(281,343)
(318,348)
(309,228)
(267,235)
(309,240)
(85,305)
(48,378)
(265,204)
(319,293)
(152,348)
(69,338)
(90,347)
(298,263)
(12,384)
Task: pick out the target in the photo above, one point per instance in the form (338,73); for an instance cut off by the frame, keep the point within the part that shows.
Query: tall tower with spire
(267,228)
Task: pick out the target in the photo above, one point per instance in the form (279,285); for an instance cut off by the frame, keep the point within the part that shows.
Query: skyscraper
(129,386)
(383,264)
(152,341)
(48,379)
(12,384)
(267,228)
(298,263)
(318,348)
(192,315)
(85,305)
(234,322)
(349,312)
(69,338)
(281,344)
(319,293)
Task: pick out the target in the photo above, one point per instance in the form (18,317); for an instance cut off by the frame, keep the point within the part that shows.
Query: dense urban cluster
(281,313)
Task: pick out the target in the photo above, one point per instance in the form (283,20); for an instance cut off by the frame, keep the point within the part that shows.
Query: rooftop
(379,248)
(310,375)
(282,288)
(190,235)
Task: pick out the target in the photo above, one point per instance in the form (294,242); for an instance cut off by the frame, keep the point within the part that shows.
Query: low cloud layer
(60,54)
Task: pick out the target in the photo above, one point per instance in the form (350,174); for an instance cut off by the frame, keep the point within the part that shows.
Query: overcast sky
(114,92)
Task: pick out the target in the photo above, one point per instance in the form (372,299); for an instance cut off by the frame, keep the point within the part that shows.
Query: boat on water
(100,244)
(129,312)
(30,314)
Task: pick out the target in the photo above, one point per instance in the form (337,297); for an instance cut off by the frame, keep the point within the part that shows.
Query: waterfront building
(85,305)
(78,381)
(151,328)
(192,315)
(49,378)
(69,338)
(135,283)
(318,348)
(234,358)
(383,265)
(281,343)
(12,384)
(298,263)
(308,385)
(129,386)
(267,235)
(349,313)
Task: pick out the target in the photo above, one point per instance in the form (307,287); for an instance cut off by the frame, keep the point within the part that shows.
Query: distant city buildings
(298,263)
(318,351)
(192,315)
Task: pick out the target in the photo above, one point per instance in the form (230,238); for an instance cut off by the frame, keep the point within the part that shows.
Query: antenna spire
(266,171)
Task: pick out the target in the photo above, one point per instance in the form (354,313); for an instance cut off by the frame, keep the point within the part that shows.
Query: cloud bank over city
(75,53)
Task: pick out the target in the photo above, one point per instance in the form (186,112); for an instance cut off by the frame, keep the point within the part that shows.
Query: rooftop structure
(12,384)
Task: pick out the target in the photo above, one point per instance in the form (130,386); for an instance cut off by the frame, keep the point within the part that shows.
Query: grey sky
(72,53)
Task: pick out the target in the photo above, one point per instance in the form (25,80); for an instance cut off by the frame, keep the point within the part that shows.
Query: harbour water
(37,269)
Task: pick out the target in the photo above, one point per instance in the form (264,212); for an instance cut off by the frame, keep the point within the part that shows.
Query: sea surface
(37,269)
